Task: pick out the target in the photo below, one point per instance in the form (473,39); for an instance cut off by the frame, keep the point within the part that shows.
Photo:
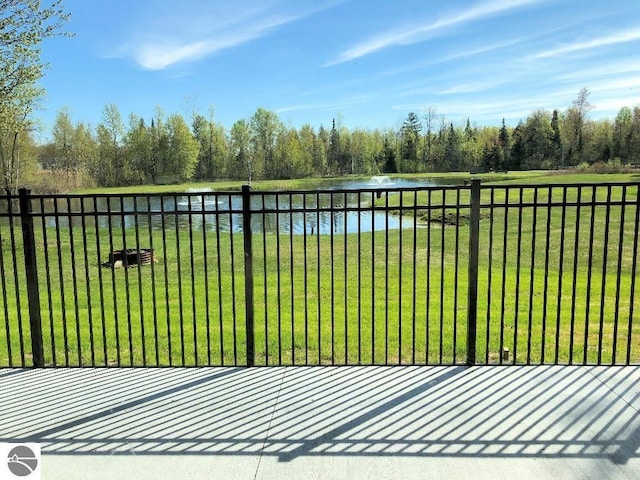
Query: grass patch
(555,285)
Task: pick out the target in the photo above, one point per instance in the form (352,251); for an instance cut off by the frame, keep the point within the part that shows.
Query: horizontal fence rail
(473,274)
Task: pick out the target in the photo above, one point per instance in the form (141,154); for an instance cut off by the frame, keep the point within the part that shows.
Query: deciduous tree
(242,161)
(183,148)
(24,24)
(265,127)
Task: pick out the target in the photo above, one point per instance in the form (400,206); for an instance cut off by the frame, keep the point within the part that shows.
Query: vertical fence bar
(306,280)
(248,273)
(386,278)
(219,269)
(47,269)
(576,247)
(16,279)
(346,285)
(291,280)
(532,272)
(545,295)
(87,281)
(3,282)
(489,277)
(31,271)
(179,267)
(400,280)
(616,313)
(154,299)
(319,291)
(634,264)
(518,267)
(233,287)
(113,284)
(266,282)
(166,281)
(456,276)
(503,285)
(472,302)
(589,275)
(428,275)
(414,277)
(560,268)
(125,258)
(604,273)
(373,279)
(205,267)
(194,313)
(74,281)
(360,279)
(333,282)
(442,247)
(103,321)
(143,336)
(279,301)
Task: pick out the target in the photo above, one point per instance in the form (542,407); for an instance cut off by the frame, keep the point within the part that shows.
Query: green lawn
(389,297)
(306,183)
(524,177)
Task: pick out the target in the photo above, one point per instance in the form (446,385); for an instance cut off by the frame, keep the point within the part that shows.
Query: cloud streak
(158,55)
(606,96)
(614,39)
(409,35)
(469,52)
(202,34)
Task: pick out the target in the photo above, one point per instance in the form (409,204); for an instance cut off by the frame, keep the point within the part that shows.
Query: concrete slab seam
(611,390)
(273,413)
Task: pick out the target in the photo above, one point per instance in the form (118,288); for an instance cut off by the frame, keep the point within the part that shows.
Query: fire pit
(131,257)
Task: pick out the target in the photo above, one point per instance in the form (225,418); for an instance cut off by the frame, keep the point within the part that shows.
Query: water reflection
(314,213)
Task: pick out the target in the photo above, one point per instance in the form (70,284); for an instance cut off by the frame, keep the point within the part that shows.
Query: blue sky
(370,62)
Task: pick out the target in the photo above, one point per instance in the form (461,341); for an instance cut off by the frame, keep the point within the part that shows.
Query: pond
(335,207)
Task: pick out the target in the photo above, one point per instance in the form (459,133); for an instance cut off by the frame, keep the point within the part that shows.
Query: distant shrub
(599,167)
(51,182)
(614,165)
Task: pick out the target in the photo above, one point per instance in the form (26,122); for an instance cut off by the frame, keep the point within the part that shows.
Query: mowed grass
(312,182)
(544,292)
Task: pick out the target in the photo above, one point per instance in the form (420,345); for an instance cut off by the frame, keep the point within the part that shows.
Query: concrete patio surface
(544,422)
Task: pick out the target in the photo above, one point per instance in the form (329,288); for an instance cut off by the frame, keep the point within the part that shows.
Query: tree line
(172,149)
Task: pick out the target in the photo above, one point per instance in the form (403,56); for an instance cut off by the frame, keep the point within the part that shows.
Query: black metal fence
(500,274)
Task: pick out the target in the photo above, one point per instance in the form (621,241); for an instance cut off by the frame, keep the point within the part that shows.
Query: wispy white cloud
(468,52)
(198,34)
(631,83)
(160,54)
(613,39)
(602,70)
(478,111)
(411,34)
(607,98)
(614,104)
(337,105)
(471,87)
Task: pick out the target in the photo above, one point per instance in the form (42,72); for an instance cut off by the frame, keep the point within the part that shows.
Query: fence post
(31,271)
(472,302)
(248,273)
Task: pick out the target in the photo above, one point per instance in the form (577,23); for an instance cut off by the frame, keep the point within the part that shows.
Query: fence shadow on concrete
(289,412)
